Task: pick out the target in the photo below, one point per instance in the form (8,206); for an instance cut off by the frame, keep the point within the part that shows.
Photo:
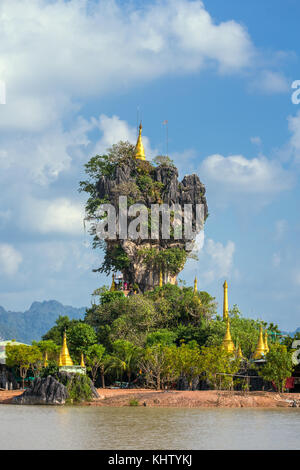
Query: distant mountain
(291,333)
(35,322)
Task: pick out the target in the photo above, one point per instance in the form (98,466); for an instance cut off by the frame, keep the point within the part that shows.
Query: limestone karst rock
(144,183)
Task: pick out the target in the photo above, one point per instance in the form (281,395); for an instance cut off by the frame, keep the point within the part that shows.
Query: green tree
(49,347)
(55,334)
(159,365)
(125,357)
(163,336)
(189,361)
(80,337)
(95,359)
(219,366)
(24,358)
(278,366)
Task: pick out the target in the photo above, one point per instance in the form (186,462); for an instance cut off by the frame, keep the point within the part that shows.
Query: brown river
(83,427)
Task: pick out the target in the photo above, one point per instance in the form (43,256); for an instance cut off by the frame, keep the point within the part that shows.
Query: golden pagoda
(260,348)
(195,286)
(267,349)
(46,359)
(227,341)
(65,357)
(239,353)
(225,301)
(139,148)
(82,364)
(160,279)
(113,284)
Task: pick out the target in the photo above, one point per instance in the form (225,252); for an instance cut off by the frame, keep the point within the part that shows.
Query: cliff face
(145,184)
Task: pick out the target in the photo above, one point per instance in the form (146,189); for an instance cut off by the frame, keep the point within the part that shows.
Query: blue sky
(219,72)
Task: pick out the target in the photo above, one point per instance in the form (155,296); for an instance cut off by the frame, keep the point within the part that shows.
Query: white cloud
(256,141)
(221,259)
(53,52)
(270,82)
(10,259)
(59,215)
(239,174)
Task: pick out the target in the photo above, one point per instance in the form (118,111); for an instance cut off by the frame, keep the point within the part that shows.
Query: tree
(49,347)
(219,366)
(55,334)
(159,365)
(278,366)
(125,357)
(163,336)
(24,357)
(95,359)
(189,361)
(80,337)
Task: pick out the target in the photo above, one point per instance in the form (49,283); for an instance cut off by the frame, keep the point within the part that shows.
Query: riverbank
(182,399)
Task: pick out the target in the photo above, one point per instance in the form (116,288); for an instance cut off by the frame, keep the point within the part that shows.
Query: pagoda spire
(113,284)
(227,341)
(139,148)
(46,359)
(82,364)
(225,301)
(64,355)
(260,348)
(160,278)
(267,349)
(195,286)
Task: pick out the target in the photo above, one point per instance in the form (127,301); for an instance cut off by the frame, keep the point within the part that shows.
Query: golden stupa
(46,359)
(113,284)
(65,358)
(239,353)
(160,279)
(195,286)
(225,301)
(260,348)
(139,148)
(82,364)
(227,341)
(267,349)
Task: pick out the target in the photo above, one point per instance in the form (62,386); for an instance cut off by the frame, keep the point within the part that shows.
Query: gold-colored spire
(113,284)
(65,356)
(239,353)
(225,301)
(139,148)
(227,341)
(46,359)
(160,278)
(267,349)
(60,360)
(260,348)
(82,361)
(195,286)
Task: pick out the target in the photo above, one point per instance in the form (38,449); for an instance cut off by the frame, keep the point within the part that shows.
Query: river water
(80,427)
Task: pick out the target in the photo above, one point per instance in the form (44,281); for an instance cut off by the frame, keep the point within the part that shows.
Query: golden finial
(195,286)
(160,279)
(225,301)
(46,359)
(227,341)
(139,148)
(267,349)
(260,348)
(239,353)
(65,356)
(113,284)
(82,364)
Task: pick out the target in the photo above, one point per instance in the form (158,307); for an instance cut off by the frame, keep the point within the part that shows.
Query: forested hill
(35,322)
